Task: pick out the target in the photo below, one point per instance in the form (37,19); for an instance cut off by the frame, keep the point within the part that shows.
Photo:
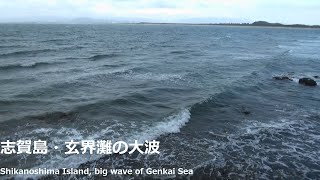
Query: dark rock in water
(56,116)
(316,77)
(307,82)
(282,78)
(246,112)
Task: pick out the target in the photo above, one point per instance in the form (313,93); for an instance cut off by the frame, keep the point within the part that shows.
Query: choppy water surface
(186,86)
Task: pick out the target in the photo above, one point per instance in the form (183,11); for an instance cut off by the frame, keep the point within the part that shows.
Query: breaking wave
(170,124)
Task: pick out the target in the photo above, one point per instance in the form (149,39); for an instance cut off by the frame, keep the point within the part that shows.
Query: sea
(205,92)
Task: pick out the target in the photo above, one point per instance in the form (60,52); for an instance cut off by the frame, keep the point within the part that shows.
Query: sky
(189,11)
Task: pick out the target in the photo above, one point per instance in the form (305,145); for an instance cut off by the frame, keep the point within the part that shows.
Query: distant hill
(257,24)
(267,24)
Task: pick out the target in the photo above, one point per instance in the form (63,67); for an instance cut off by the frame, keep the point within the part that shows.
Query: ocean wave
(124,73)
(308,43)
(159,77)
(153,76)
(102,56)
(71,81)
(170,124)
(21,80)
(178,52)
(113,65)
(27,65)
(260,148)
(27,52)
(248,56)
(55,40)
(55,117)
(12,46)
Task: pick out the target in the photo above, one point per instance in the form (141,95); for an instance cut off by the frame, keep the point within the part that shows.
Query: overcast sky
(284,11)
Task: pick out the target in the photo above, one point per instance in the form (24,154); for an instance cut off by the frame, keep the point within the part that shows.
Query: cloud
(170,10)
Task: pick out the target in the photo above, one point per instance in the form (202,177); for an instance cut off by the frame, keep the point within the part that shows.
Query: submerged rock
(316,77)
(282,78)
(307,82)
(246,112)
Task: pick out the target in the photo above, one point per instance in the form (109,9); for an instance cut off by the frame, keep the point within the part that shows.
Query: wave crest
(102,56)
(29,65)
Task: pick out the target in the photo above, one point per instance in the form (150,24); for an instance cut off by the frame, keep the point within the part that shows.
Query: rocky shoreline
(307,81)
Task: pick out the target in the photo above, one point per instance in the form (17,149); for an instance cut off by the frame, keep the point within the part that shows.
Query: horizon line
(100,21)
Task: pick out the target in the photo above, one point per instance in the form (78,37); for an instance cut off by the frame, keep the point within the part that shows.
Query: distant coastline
(254,24)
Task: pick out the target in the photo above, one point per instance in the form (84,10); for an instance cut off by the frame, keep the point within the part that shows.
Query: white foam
(295,80)
(313,42)
(299,76)
(70,133)
(154,77)
(42,130)
(240,56)
(256,127)
(28,64)
(171,124)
